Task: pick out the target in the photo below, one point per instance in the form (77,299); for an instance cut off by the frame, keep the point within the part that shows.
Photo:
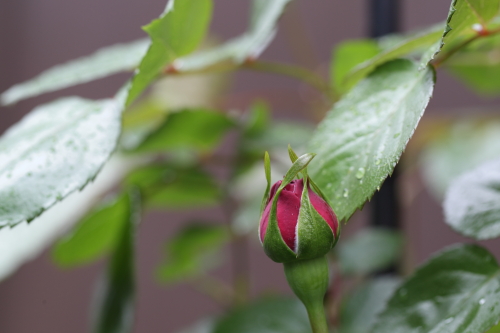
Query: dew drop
(346,193)
(482,301)
(361,173)
(449,320)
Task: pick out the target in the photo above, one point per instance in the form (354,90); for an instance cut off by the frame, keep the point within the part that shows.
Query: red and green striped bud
(296,222)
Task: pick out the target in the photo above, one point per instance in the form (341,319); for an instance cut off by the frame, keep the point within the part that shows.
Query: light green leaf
(106,61)
(348,55)
(478,65)
(115,308)
(425,38)
(193,251)
(176,33)
(360,309)
(271,315)
(249,45)
(463,17)
(456,291)
(200,130)
(495,329)
(360,141)
(55,150)
(171,187)
(472,203)
(26,241)
(460,147)
(96,235)
(369,251)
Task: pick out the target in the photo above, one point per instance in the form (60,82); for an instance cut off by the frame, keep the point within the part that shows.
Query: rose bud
(297,222)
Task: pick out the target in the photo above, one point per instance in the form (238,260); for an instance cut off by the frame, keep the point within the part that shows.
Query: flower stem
(309,281)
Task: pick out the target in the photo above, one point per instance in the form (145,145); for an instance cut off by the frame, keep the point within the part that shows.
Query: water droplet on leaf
(361,173)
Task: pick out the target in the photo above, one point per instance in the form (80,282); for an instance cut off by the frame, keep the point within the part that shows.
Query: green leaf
(200,130)
(106,61)
(455,291)
(172,187)
(115,307)
(495,329)
(406,46)
(55,150)
(176,33)
(193,251)
(257,120)
(462,18)
(360,309)
(360,141)
(348,55)
(247,46)
(478,65)
(369,251)
(26,241)
(460,147)
(96,235)
(472,203)
(269,315)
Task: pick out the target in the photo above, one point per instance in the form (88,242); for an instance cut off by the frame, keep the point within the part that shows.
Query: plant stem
(437,63)
(317,318)
(294,71)
(309,281)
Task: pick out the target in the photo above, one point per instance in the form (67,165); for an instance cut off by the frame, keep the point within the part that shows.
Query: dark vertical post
(384,19)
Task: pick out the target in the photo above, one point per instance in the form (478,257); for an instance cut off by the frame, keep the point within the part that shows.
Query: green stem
(437,63)
(294,71)
(317,318)
(309,281)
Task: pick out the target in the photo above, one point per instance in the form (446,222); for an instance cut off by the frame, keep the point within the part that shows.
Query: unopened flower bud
(296,222)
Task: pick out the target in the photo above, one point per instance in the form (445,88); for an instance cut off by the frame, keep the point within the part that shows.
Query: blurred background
(35,35)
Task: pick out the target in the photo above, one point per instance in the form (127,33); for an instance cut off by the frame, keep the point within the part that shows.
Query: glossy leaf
(55,150)
(104,62)
(171,187)
(361,139)
(193,251)
(348,55)
(247,46)
(425,38)
(360,308)
(199,130)
(370,250)
(116,304)
(455,291)
(96,235)
(463,18)
(177,32)
(26,241)
(458,148)
(271,315)
(472,203)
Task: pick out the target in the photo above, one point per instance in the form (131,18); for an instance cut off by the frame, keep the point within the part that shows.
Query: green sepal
(324,197)
(299,165)
(291,153)
(314,236)
(267,170)
(274,245)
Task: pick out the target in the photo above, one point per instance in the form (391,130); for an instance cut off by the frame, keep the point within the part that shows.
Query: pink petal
(324,210)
